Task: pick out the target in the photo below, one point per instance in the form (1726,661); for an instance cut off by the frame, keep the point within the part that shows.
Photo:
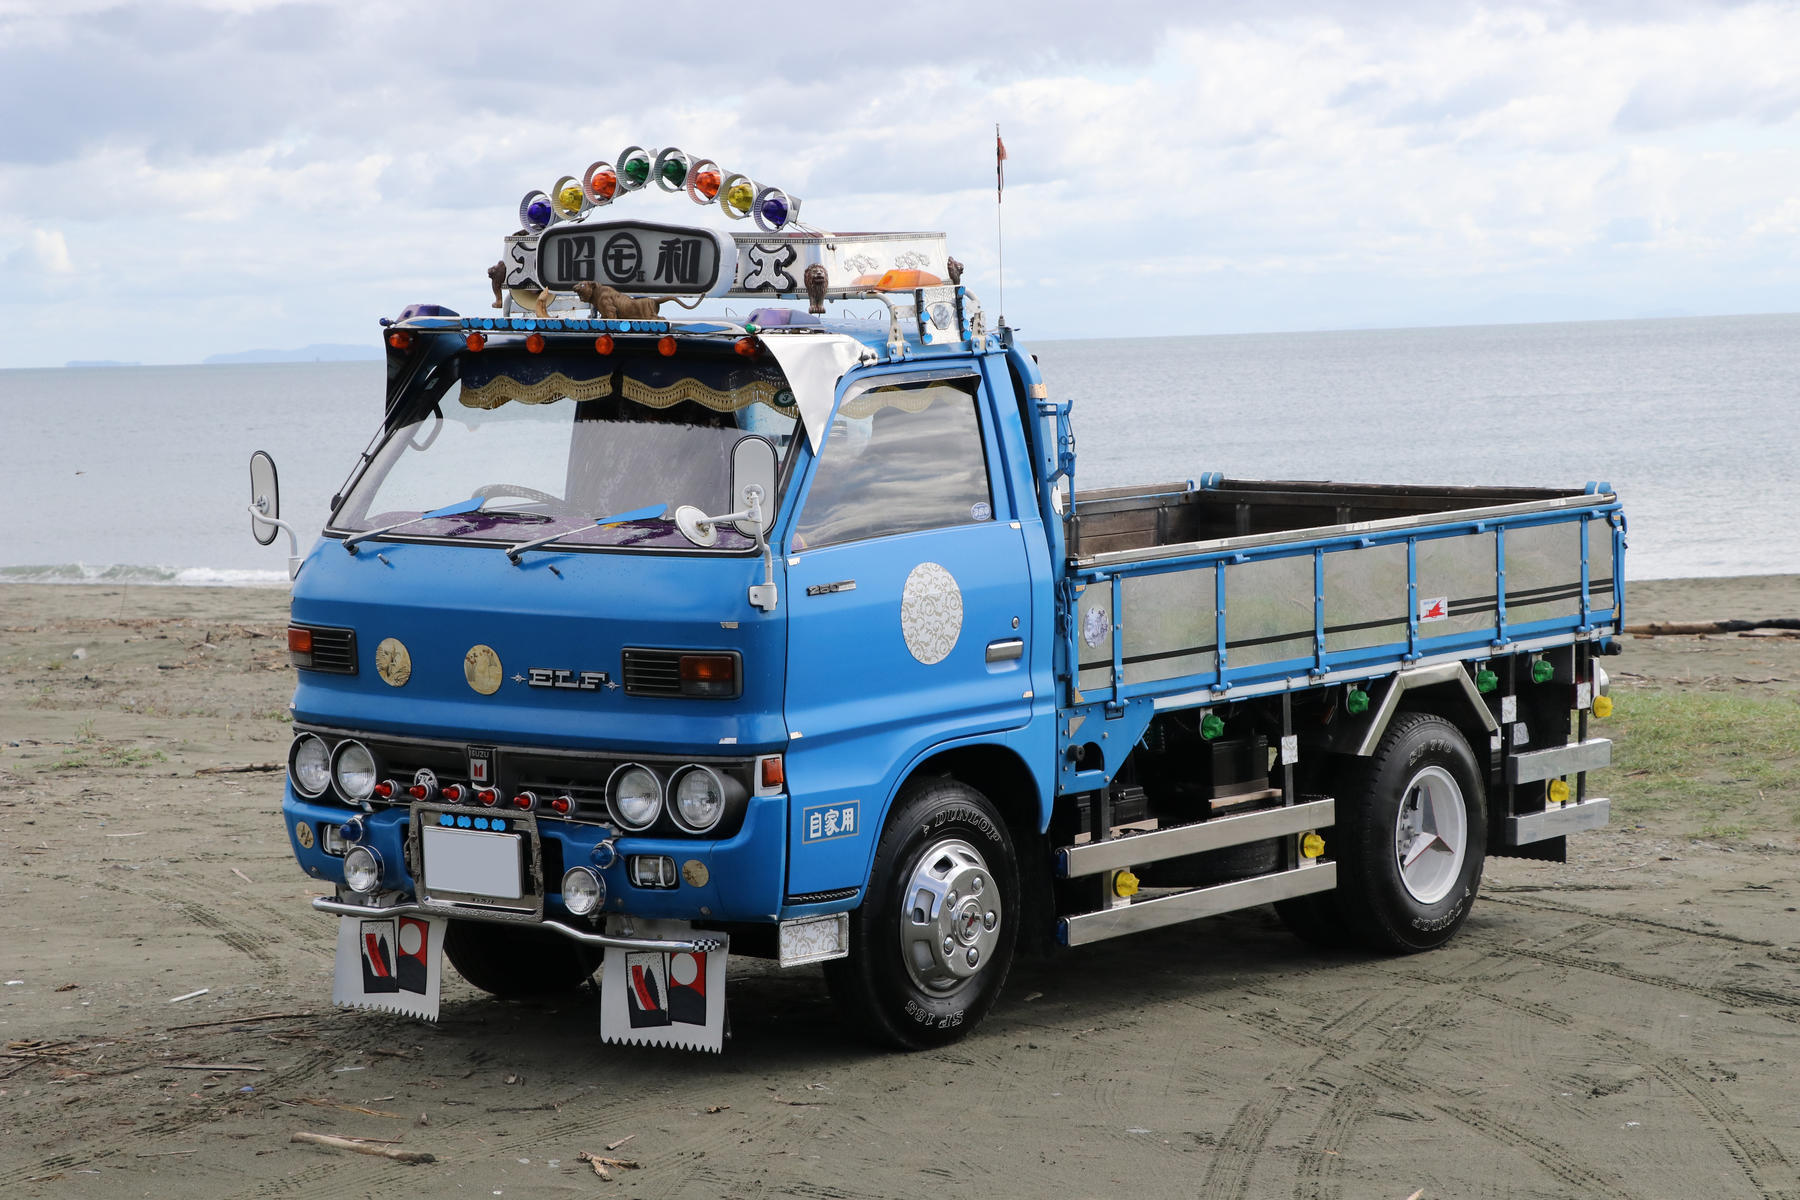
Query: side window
(898,459)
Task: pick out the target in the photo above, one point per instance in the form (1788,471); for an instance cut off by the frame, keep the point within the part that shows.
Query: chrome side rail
(604,940)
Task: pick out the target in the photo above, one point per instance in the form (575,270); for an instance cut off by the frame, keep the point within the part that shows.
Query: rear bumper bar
(1556,822)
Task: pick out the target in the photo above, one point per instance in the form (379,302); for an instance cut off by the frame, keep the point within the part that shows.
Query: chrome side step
(1592,813)
(1198,902)
(1530,766)
(1132,849)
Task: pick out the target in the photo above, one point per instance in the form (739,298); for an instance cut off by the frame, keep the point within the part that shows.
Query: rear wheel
(1412,839)
(517,960)
(933,941)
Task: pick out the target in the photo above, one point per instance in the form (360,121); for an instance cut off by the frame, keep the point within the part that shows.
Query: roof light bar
(672,169)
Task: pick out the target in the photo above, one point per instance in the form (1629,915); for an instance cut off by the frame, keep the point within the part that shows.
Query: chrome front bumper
(338,908)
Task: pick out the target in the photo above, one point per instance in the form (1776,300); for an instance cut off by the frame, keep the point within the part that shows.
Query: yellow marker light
(739,197)
(569,199)
(1312,845)
(1603,706)
(1559,791)
(1125,885)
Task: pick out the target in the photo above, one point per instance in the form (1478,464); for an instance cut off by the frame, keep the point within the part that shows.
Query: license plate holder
(458,865)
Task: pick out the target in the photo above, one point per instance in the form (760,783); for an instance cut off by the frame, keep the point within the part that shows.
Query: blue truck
(637,639)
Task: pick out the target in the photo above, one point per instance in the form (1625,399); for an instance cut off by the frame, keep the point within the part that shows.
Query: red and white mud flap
(394,964)
(665,997)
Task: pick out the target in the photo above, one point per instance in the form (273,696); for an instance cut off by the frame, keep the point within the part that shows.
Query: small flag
(999,166)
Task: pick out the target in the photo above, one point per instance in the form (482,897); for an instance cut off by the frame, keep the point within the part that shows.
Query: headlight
(309,765)
(636,796)
(362,870)
(699,799)
(582,891)
(353,770)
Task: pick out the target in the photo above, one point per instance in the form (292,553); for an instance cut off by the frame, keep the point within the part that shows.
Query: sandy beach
(1624,1025)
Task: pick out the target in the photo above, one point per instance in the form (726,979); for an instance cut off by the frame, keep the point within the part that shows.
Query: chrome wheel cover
(950,916)
(1431,835)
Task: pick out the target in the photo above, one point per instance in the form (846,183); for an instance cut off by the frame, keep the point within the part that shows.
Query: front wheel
(933,941)
(1413,837)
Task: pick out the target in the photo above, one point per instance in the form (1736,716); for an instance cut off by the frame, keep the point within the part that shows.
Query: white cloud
(1238,166)
(44,253)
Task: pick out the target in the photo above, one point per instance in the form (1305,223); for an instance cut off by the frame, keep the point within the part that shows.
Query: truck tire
(1316,920)
(933,941)
(1412,839)
(515,960)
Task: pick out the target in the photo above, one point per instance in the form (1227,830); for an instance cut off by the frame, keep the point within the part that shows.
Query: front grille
(334,650)
(652,672)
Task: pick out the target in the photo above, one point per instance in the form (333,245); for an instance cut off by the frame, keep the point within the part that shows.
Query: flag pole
(999,215)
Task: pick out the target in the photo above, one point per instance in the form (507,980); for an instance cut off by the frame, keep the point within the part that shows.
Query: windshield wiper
(453,510)
(649,513)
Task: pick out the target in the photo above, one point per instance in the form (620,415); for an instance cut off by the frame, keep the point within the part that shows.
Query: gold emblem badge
(695,872)
(481,667)
(393,663)
(303,834)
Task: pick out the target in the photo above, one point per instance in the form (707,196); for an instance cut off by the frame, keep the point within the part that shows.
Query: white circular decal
(683,969)
(931,613)
(1095,625)
(409,938)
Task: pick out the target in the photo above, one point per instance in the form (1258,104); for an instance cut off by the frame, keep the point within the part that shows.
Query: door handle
(1006,651)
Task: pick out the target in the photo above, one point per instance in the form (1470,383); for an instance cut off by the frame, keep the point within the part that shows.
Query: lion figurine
(615,305)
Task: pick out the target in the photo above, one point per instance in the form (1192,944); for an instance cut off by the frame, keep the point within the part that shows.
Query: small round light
(488,797)
(453,793)
(582,891)
(535,343)
(476,341)
(703,181)
(1312,845)
(745,346)
(699,799)
(1558,791)
(309,765)
(1211,726)
(736,195)
(603,344)
(1356,703)
(385,790)
(525,801)
(636,796)
(1485,680)
(563,805)
(1603,707)
(772,208)
(600,182)
(362,870)
(665,346)
(1542,670)
(353,770)
(570,200)
(400,339)
(633,168)
(671,170)
(534,211)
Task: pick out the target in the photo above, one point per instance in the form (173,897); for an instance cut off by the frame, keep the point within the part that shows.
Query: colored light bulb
(476,341)
(569,199)
(538,212)
(1357,702)
(740,197)
(1486,681)
(775,211)
(637,170)
(535,344)
(603,344)
(665,346)
(1211,726)
(603,183)
(1603,707)
(1541,671)
(707,184)
(674,171)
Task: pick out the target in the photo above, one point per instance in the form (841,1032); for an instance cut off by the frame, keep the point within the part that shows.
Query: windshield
(559,441)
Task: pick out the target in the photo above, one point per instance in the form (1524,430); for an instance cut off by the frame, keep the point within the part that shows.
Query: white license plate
(474,863)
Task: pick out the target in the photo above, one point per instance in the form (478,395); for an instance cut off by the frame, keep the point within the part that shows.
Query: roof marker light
(671,170)
(772,208)
(633,168)
(736,196)
(571,201)
(600,183)
(535,212)
(703,181)
(400,339)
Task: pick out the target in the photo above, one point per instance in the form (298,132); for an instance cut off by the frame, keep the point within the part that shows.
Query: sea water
(139,474)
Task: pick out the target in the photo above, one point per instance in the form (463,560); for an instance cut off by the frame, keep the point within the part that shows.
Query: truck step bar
(1117,853)
(1531,766)
(1197,902)
(1523,830)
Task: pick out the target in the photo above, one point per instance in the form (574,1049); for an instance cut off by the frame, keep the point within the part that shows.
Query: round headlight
(353,770)
(362,870)
(309,765)
(699,799)
(582,891)
(636,796)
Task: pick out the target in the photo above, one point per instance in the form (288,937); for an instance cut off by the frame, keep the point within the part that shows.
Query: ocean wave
(123,574)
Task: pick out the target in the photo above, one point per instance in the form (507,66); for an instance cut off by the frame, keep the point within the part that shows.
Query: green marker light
(1211,727)
(1541,671)
(1486,681)
(1357,702)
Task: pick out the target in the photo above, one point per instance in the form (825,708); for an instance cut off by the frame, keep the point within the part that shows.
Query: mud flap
(391,964)
(665,997)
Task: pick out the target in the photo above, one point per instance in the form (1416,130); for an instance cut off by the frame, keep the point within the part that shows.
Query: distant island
(320,352)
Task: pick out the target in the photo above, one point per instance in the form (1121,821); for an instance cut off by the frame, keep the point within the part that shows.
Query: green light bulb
(1541,671)
(637,170)
(1211,727)
(1486,681)
(675,171)
(1357,702)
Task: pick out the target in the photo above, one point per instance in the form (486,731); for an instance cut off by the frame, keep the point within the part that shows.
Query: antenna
(999,215)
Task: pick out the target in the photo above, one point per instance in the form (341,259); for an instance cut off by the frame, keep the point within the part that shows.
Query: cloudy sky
(183,179)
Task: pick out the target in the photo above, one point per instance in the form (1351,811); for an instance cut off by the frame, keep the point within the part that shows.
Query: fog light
(362,870)
(582,891)
(332,841)
(652,870)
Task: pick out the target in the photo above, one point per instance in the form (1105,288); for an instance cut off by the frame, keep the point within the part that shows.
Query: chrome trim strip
(1542,826)
(1199,902)
(1530,766)
(1009,650)
(604,940)
(1115,853)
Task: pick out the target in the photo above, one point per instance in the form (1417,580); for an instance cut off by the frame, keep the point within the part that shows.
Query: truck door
(909,608)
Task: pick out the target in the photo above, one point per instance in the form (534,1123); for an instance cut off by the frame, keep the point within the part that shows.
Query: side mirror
(265,498)
(753,465)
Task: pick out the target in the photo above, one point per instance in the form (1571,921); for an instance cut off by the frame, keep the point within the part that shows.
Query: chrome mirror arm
(259,510)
